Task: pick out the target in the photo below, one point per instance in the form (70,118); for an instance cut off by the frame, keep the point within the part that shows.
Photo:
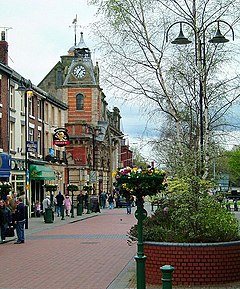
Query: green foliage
(233,165)
(87,188)
(190,217)
(72,188)
(50,187)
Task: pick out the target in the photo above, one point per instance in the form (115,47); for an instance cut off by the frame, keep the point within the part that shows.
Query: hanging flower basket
(87,188)
(72,188)
(5,187)
(139,181)
(50,187)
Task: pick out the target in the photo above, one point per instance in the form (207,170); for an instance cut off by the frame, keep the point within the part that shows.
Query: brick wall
(194,264)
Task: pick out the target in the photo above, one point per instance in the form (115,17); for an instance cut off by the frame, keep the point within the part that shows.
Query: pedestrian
(110,202)
(86,200)
(59,203)
(104,199)
(80,199)
(20,221)
(46,204)
(37,208)
(5,220)
(67,205)
(129,204)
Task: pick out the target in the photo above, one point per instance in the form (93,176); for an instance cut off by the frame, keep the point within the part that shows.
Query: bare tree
(165,79)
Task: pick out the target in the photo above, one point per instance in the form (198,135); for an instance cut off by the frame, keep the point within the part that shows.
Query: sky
(40,31)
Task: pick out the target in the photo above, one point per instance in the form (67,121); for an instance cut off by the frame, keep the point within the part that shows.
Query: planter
(195,264)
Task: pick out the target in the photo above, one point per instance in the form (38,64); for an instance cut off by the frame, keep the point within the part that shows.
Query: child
(38,208)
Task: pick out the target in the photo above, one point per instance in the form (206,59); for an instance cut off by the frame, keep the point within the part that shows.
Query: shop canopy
(38,172)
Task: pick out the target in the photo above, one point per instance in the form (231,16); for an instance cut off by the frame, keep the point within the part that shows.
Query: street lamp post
(28,93)
(140,258)
(200,55)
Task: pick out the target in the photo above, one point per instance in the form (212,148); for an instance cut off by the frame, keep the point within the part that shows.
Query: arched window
(79,102)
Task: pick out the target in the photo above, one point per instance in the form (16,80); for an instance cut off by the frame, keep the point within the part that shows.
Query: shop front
(38,175)
(5,172)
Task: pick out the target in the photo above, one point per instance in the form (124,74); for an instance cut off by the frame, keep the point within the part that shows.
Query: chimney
(3,49)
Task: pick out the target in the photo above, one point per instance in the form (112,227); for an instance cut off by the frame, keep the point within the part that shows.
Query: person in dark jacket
(5,220)
(60,199)
(20,221)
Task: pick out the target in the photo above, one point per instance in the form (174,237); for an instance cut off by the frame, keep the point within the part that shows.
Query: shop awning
(5,168)
(38,172)
(4,174)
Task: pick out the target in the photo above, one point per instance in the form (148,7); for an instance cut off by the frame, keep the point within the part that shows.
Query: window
(53,116)
(23,144)
(79,102)
(46,113)
(12,136)
(39,147)
(39,108)
(12,97)
(59,118)
(22,103)
(31,134)
(30,106)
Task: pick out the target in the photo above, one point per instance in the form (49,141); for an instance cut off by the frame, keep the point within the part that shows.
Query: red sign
(61,137)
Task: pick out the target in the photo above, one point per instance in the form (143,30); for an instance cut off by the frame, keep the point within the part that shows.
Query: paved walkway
(84,252)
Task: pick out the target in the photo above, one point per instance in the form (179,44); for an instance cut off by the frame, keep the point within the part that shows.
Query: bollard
(167,276)
(79,209)
(62,212)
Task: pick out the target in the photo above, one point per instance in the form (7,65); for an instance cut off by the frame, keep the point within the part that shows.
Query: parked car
(121,202)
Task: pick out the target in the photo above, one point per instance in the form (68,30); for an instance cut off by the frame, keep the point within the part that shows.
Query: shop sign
(61,137)
(31,146)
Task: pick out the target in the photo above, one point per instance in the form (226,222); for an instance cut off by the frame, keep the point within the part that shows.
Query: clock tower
(94,131)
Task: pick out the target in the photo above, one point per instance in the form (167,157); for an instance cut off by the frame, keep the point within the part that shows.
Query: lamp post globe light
(200,58)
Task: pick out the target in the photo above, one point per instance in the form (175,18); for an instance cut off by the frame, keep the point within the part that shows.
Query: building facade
(69,98)
(26,136)
(95,135)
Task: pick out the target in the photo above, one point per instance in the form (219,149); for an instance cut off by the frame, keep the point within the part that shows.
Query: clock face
(79,71)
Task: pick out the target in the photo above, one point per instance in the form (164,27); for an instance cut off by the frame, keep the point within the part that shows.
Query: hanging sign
(61,137)
(32,146)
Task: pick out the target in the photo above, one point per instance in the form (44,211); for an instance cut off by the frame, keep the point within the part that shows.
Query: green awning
(38,172)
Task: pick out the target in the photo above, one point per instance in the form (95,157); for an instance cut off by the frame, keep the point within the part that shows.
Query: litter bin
(79,209)
(48,215)
(95,205)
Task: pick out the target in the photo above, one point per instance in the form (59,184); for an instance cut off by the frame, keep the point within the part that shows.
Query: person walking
(59,199)
(37,209)
(20,221)
(46,204)
(5,220)
(110,202)
(129,204)
(67,205)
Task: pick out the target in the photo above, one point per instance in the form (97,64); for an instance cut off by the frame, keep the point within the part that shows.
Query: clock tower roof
(80,49)
(81,44)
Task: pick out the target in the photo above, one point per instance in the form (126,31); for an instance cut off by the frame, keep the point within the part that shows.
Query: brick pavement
(82,252)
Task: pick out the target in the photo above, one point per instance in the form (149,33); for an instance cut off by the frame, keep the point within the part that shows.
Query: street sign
(31,146)
(93,176)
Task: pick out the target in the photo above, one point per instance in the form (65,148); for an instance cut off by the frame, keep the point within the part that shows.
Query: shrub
(190,217)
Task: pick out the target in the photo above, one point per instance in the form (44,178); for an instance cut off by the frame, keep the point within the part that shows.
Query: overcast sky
(40,31)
